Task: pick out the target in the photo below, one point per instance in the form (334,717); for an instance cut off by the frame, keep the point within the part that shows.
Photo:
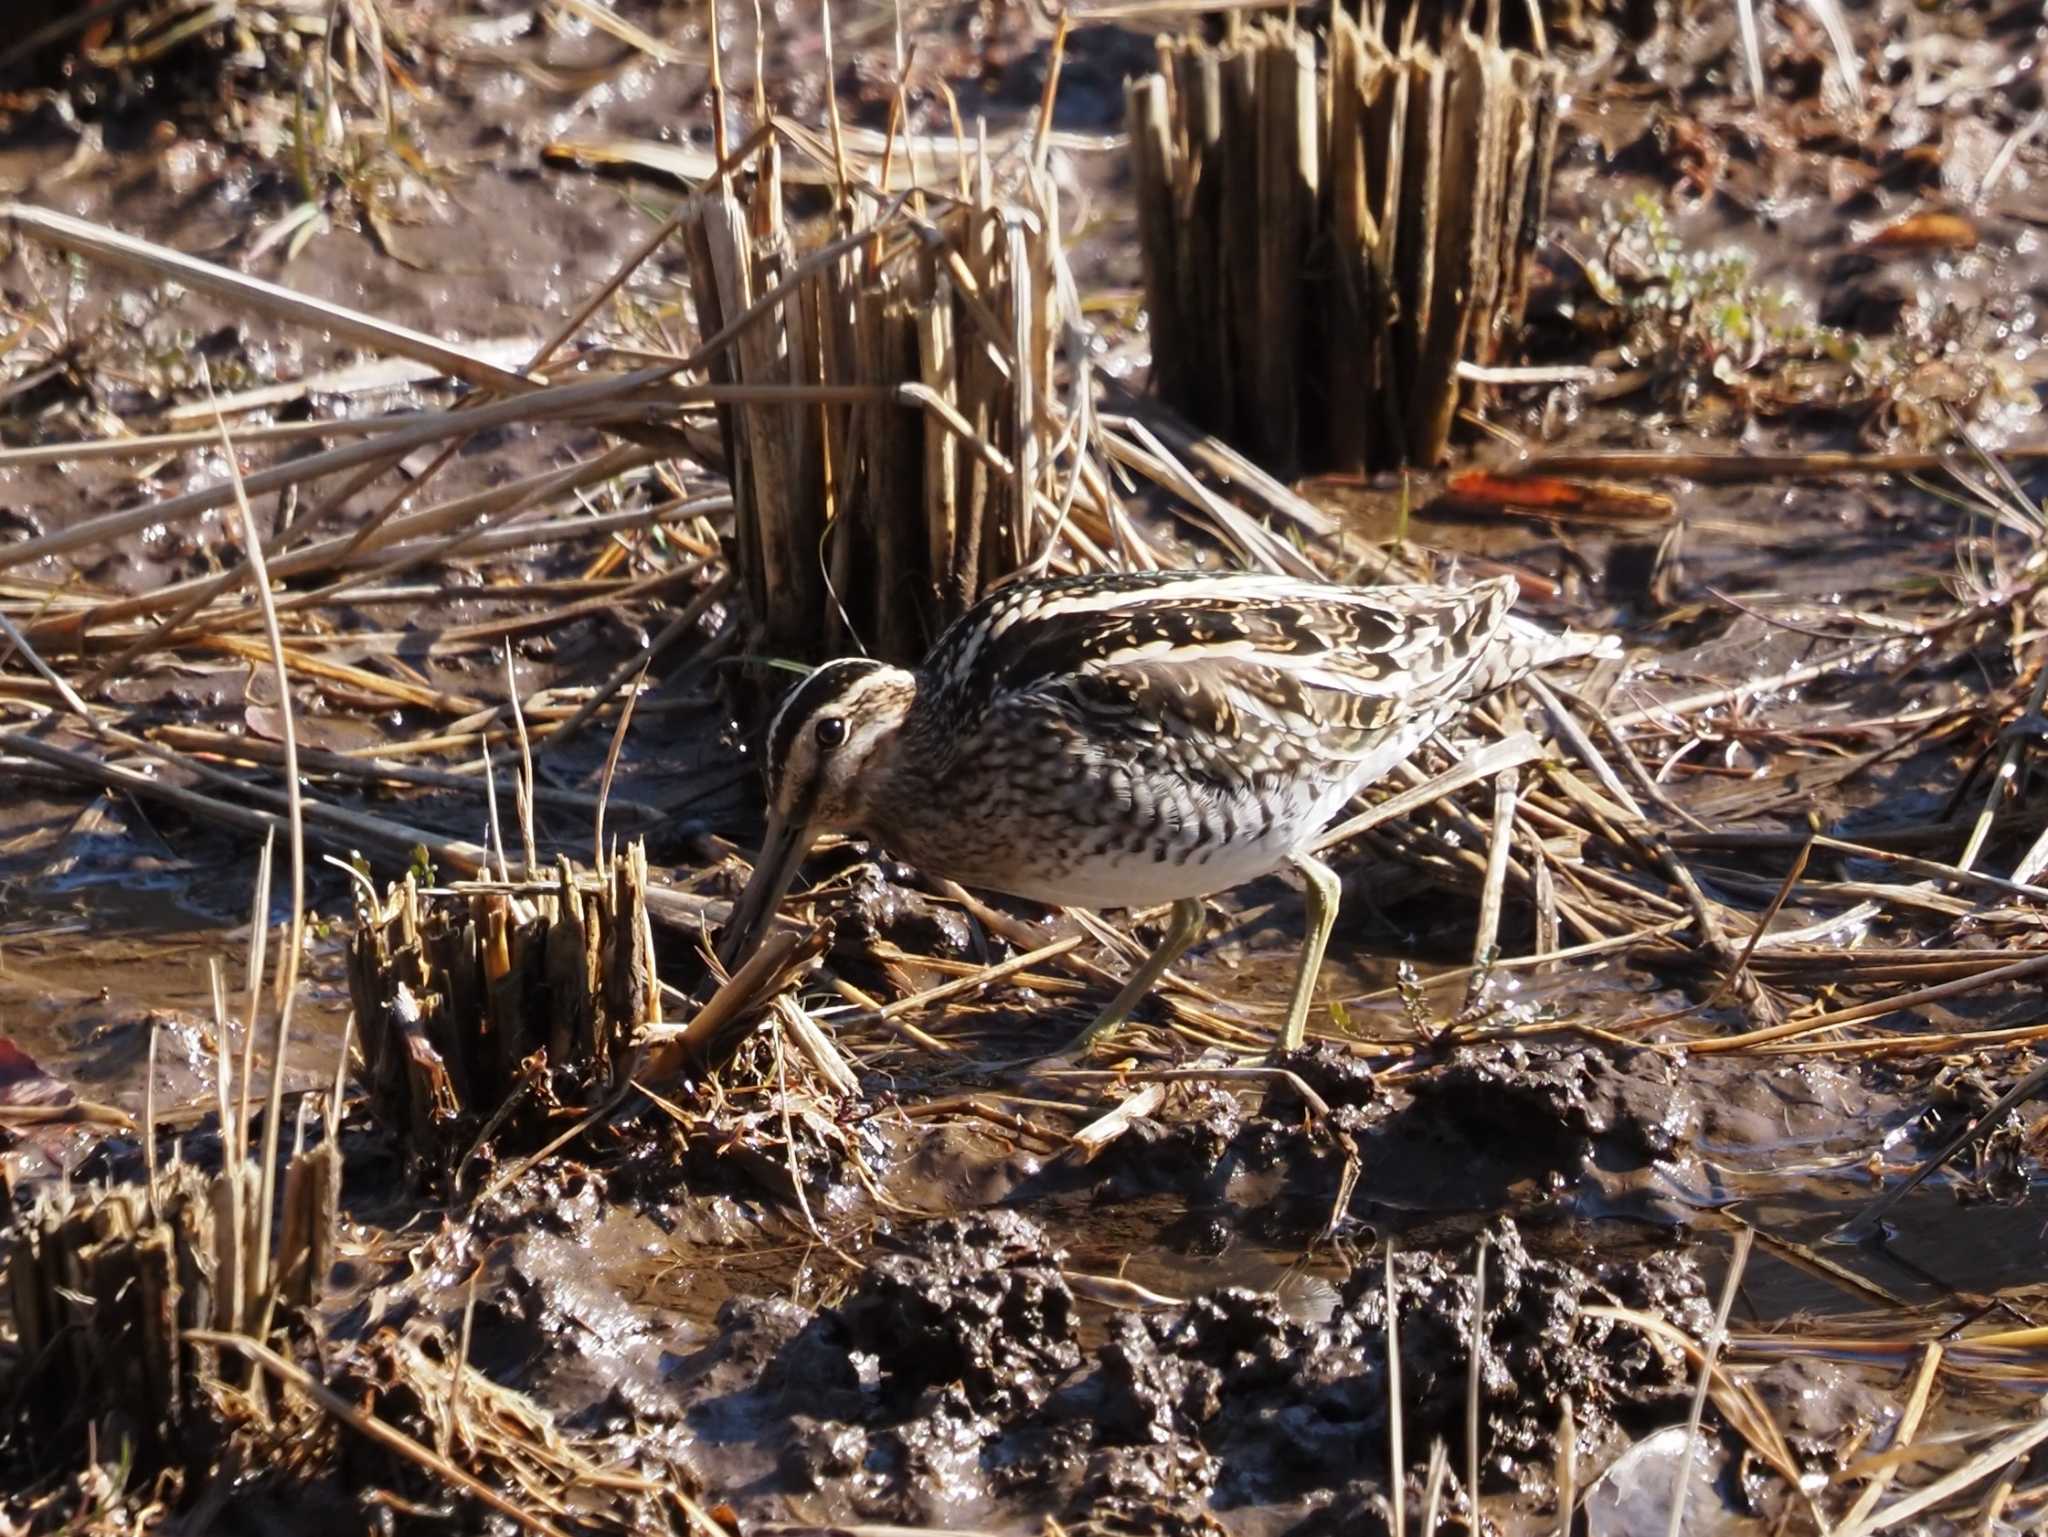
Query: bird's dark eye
(831,731)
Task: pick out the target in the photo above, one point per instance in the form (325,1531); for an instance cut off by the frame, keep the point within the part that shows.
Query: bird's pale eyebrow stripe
(832,681)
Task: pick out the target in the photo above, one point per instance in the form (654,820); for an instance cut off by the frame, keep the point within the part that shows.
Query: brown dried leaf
(1927,232)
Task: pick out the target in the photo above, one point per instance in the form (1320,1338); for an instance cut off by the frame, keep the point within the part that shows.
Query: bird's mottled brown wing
(1238,677)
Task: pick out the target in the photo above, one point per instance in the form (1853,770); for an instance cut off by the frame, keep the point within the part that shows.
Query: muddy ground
(926,1306)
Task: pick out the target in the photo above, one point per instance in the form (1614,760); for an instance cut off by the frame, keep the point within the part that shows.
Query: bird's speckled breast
(1048,854)
(1038,809)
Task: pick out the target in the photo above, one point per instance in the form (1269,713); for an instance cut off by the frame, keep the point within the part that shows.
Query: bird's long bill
(782,851)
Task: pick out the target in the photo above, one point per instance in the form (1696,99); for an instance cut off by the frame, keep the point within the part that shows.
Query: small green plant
(336,122)
(63,362)
(1717,345)
(317,93)
(1697,318)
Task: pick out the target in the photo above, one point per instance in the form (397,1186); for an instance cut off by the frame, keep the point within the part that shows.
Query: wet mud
(1229,1402)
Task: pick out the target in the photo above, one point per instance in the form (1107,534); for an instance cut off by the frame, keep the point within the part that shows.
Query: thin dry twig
(1738,1261)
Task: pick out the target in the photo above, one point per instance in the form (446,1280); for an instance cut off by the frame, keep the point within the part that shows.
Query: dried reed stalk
(104,1283)
(485,1016)
(1324,246)
(859,522)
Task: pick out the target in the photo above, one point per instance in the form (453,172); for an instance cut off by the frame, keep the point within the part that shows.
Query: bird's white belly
(1059,876)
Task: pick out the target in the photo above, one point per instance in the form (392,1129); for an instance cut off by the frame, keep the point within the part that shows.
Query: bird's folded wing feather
(1255,684)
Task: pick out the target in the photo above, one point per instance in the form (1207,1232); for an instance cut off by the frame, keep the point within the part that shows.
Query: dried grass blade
(158,263)
(288,968)
(1902,1437)
(1090,1140)
(560,402)
(1496,758)
(611,767)
(1711,1353)
(1487,941)
(2004,1453)
(524,787)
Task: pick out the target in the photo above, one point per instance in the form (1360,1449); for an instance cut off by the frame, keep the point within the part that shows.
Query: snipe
(1134,738)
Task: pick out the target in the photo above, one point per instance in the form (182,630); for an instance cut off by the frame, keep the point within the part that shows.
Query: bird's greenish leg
(1322,891)
(1182,926)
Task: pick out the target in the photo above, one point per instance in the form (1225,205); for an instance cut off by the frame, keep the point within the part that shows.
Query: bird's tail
(1521,647)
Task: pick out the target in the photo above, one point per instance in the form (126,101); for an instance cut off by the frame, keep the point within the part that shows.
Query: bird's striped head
(829,737)
(828,746)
